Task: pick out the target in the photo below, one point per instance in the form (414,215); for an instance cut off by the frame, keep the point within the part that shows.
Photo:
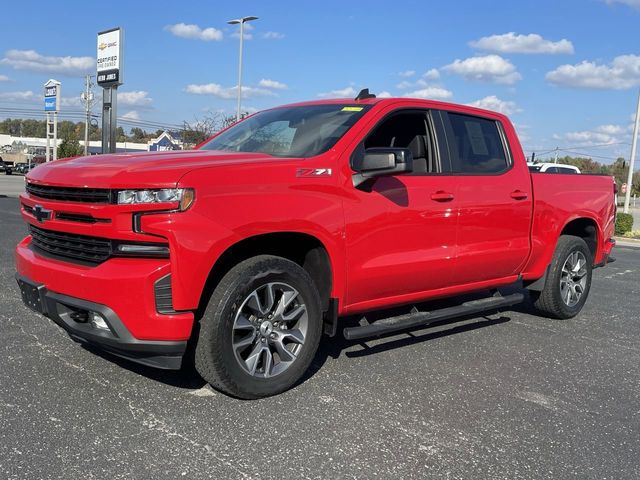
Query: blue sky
(567,72)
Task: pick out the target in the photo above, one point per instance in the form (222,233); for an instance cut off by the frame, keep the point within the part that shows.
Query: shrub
(624,223)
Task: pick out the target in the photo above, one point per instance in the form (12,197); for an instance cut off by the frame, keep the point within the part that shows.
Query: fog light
(98,322)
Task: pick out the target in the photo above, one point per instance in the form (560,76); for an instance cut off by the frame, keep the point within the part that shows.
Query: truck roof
(427,103)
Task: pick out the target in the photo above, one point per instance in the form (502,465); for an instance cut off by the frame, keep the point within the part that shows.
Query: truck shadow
(334,348)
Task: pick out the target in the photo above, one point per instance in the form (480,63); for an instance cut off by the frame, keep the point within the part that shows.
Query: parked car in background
(6,166)
(24,168)
(257,242)
(553,168)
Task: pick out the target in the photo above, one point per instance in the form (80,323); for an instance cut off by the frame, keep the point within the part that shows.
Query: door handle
(441,196)
(519,195)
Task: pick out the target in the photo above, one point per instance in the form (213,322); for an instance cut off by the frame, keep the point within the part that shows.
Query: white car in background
(552,168)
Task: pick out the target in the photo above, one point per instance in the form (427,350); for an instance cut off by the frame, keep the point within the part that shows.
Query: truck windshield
(303,131)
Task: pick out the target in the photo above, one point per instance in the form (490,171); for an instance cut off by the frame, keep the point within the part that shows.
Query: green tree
(120,135)
(69,147)
(138,135)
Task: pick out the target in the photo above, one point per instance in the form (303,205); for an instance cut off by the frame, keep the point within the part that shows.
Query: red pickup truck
(255,243)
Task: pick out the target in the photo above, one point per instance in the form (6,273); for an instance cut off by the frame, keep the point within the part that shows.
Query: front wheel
(261,328)
(568,281)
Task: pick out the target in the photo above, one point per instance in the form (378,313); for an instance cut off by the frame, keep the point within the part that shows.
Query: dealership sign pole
(51,106)
(109,77)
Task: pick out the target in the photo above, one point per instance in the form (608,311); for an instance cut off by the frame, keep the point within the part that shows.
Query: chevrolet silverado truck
(253,245)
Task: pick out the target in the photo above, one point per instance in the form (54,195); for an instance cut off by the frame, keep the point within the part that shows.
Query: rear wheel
(568,281)
(261,328)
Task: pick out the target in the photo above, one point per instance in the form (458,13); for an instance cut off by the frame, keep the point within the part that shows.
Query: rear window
(477,146)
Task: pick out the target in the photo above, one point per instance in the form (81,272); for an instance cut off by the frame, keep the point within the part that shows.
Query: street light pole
(240,21)
(87,98)
(634,145)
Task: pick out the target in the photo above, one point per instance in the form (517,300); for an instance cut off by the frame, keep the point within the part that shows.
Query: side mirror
(380,161)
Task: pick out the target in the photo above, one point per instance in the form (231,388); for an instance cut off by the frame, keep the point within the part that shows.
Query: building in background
(166,141)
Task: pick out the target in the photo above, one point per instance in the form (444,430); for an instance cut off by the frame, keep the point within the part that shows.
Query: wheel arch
(581,225)
(585,228)
(305,249)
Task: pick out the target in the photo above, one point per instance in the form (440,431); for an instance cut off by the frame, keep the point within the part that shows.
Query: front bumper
(73,314)
(121,290)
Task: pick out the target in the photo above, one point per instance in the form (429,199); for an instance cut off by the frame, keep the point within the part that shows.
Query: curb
(627,242)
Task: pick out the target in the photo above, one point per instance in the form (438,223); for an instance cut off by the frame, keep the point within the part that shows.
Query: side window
(476,145)
(406,130)
(551,170)
(566,170)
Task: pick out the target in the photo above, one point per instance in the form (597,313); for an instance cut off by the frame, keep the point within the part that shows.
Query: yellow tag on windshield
(352,109)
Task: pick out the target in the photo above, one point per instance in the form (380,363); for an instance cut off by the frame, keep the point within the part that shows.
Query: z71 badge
(313,172)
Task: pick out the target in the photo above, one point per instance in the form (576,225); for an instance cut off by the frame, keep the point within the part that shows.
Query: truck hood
(136,170)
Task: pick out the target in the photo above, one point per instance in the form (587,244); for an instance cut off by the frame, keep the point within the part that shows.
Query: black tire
(215,359)
(549,302)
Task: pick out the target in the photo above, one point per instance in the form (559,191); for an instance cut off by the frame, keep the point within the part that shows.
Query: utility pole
(87,98)
(634,145)
(556,157)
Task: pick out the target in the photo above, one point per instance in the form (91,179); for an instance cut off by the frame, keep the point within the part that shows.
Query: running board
(421,319)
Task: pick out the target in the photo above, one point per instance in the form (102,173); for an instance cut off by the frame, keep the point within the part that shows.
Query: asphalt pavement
(11,185)
(509,395)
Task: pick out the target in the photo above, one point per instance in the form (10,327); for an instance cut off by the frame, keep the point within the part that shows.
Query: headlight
(183,196)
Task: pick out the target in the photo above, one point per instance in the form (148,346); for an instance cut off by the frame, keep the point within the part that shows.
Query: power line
(571,147)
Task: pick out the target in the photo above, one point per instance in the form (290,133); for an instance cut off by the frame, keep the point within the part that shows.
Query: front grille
(78,217)
(70,194)
(68,245)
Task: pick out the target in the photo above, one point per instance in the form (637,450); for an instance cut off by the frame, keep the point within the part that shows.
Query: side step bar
(421,319)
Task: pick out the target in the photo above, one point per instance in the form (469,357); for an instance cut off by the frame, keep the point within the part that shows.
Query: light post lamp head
(241,20)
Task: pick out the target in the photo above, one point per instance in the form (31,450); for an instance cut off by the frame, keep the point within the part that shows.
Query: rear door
(493,197)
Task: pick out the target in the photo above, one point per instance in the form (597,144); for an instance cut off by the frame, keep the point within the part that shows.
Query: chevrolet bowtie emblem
(41,214)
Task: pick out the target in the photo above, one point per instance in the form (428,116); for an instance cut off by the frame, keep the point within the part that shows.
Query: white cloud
(348,92)
(132,115)
(267,83)
(611,129)
(407,73)
(31,60)
(23,96)
(489,68)
(514,43)
(273,36)
(432,74)
(227,93)
(137,98)
(4,78)
(69,101)
(194,32)
(602,134)
(247,29)
(404,85)
(384,94)
(631,3)
(497,105)
(28,96)
(622,73)
(430,93)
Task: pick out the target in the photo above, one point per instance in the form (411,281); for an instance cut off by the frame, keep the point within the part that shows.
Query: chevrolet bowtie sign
(109,57)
